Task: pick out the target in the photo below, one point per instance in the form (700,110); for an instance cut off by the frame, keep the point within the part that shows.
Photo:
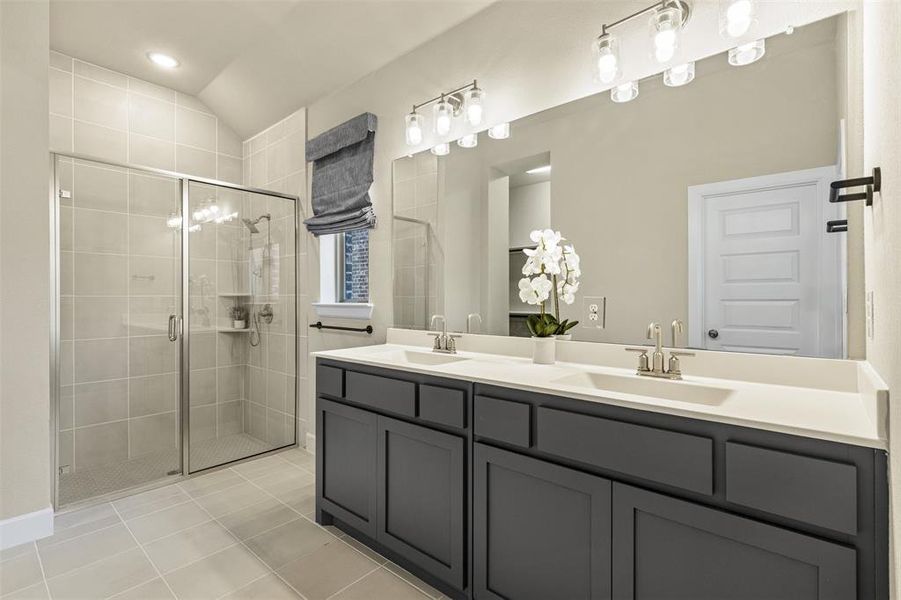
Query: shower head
(251,225)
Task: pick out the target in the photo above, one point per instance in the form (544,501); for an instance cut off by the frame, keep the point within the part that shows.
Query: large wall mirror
(706,203)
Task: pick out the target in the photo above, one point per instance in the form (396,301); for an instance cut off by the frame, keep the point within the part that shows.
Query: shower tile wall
(275,159)
(417,254)
(118,262)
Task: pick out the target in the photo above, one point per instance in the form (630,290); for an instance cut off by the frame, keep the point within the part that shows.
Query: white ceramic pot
(239,324)
(565,337)
(544,350)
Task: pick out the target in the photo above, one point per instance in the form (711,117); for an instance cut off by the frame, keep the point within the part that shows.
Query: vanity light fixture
(470,140)
(162,60)
(737,17)
(472,102)
(501,131)
(442,149)
(606,49)
(539,170)
(679,75)
(624,92)
(443,114)
(467,101)
(747,53)
(413,131)
(667,22)
(665,31)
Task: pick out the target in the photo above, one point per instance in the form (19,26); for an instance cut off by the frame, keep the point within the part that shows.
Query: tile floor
(245,532)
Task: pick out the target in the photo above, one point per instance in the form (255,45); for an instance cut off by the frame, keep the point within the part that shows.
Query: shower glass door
(240,313)
(117,367)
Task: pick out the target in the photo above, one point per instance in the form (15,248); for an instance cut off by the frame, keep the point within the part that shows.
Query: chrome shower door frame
(184,332)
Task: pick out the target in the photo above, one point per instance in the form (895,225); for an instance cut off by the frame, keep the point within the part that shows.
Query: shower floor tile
(266,549)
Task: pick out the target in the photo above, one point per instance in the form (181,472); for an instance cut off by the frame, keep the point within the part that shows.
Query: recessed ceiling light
(162,60)
(537,170)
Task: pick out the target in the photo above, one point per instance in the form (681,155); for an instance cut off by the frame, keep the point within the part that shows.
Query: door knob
(713,334)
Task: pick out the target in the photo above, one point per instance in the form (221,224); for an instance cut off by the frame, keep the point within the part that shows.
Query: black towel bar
(837,226)
(873,183)
(319,325)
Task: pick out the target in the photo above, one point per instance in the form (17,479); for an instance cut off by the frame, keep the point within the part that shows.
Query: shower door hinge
(65,194)
(64,469)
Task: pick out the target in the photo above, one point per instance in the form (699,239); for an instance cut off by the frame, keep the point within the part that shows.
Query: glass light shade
(737,17)
(665,31)
(474,106)
(414,128)
(624,92)
(444,115)
(200,214)
(441,149)
(679,75)
(500,131)
(470,140)
(606,55)
(747,53)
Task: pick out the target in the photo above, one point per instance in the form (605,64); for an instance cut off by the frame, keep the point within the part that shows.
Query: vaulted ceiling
(251,61)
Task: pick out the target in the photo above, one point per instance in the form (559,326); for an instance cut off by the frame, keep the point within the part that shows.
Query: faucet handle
(643,364)
(674,368)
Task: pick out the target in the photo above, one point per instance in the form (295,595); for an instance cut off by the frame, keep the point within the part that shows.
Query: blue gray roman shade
(342,174)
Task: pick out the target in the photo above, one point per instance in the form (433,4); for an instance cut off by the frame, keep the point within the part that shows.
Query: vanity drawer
(677,459)
(442,405)
(330,381)
(812,490)
(503,420)
(383,393)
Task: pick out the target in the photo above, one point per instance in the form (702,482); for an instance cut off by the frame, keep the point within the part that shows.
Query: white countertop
(853,414)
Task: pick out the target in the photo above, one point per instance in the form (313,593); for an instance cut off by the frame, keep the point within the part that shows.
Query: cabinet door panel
(347,476)
(540,531)
(421,487)
(669,548)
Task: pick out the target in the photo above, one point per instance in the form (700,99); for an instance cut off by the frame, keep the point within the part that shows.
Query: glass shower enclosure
(174,345)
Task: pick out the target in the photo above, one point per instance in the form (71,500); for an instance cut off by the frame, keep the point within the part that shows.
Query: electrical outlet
(596,309)
(870,315)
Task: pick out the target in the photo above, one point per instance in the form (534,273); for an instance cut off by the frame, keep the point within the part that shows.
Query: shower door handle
(173,328)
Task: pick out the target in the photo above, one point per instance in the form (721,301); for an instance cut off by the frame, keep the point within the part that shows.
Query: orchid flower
(535,290)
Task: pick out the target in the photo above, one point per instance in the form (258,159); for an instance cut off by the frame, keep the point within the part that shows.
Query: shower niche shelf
(232,330)
(234,295)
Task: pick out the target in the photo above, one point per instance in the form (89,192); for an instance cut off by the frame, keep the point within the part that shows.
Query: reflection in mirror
(705,203)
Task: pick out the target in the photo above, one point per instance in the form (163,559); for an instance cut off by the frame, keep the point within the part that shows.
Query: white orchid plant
(551,273)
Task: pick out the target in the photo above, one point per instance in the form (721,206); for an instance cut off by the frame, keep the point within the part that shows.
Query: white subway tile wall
(275,159)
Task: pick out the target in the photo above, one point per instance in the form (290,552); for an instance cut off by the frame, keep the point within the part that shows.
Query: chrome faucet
(469,319)
(444,341)
(654,367)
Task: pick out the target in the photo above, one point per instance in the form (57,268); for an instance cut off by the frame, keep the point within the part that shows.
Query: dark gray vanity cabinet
(540,531)
(346,485)
(393,455)
(665,548)
(420,497)
(494,493)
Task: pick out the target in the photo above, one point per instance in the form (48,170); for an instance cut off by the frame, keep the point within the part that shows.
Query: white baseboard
(26,528)
(311,443)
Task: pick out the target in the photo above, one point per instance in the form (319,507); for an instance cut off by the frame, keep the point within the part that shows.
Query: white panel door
(769,275)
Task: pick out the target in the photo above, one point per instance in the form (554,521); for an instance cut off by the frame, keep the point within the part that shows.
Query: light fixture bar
(446,95)
(682,4)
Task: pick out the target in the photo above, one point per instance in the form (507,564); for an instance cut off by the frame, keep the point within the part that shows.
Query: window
(344,276)
(352,266)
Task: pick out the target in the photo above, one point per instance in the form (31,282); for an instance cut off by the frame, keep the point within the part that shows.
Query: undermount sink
(421,358)
(680,391)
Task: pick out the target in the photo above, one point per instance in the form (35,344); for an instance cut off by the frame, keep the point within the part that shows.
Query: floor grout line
(254,554)
(147,556)
(355,581)
(41,565)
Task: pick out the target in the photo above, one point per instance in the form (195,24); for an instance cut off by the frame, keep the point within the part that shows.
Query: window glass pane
(356,266)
